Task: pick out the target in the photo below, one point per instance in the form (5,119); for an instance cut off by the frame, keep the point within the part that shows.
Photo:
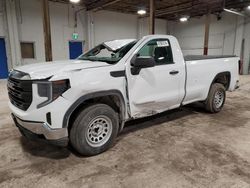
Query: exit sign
(75,36)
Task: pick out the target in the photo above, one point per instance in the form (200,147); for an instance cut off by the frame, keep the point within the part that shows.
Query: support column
(246,48)
(13,33)
(206,37)
(152,17)
(47,31)
(239,43)
(90,25)
(140,22)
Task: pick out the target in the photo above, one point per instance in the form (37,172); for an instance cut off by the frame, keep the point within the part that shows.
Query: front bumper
(40,131)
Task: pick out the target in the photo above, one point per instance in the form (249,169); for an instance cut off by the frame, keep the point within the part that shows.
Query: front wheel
(216,98)
(94,130)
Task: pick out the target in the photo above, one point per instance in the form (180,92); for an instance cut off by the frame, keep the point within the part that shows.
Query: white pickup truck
(85,102)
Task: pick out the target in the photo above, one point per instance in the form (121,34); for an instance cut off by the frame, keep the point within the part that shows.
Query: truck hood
(48,69)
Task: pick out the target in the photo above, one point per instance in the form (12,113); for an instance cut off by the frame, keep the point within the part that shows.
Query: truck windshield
(105,54)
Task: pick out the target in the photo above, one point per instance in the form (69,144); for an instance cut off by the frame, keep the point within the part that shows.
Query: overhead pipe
(231,11)
(76,14)
(234,12)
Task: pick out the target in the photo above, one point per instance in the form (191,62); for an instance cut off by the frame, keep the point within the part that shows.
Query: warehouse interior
(184,147)
(93,22)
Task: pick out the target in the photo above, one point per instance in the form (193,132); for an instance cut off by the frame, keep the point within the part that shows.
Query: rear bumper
(40,131)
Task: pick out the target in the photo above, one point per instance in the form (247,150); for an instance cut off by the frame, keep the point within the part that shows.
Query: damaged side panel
(151,108)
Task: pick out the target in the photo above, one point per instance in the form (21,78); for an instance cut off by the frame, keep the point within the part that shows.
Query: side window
(159,49)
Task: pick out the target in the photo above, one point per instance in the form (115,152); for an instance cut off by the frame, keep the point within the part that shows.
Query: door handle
(174,72)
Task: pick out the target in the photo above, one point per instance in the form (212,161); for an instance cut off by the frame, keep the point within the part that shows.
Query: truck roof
(114,45)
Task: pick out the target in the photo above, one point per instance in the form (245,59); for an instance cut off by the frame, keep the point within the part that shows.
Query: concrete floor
(182,148)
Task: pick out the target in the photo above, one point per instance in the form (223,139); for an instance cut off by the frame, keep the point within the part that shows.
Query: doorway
(3,60)
(75,49)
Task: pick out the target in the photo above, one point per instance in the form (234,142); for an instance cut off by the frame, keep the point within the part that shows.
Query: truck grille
(20,92)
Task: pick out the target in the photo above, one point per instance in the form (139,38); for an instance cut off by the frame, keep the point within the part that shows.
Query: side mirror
(140,62)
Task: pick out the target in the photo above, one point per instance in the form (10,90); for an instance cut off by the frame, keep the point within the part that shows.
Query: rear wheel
(216,98)
(94,130)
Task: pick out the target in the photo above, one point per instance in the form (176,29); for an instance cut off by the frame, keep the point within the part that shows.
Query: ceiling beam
(101,5)
(166,9)
(189,6)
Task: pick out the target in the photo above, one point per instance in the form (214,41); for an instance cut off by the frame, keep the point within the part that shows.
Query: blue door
(75,49)
(3,60)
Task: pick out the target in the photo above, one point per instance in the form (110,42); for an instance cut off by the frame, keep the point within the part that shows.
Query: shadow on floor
(38,148)
(45,150)
(164,117)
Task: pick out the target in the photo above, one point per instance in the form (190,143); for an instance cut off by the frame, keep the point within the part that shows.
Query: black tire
(86,121)
(212,105)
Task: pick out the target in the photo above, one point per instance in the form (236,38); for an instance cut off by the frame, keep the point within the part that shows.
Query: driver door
(157,88)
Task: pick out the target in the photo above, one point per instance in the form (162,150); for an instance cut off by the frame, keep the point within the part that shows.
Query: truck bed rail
(204,57)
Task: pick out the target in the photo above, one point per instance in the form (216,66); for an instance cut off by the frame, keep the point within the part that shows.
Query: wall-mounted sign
(75,36)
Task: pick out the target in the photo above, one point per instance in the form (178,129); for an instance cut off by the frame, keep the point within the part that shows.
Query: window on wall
(27,50)
(159,49)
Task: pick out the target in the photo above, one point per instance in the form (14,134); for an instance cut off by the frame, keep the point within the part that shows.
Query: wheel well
(111,100)
(223,78)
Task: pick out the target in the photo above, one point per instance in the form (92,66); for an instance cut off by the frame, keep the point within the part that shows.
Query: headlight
(51,90)
(19,75)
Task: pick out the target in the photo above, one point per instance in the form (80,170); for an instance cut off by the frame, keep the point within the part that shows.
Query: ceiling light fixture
(74,1)
(141,12)
(184,18)
(248,7)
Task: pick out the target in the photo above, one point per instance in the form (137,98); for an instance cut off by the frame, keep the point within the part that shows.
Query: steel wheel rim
(99,131)
(218,99)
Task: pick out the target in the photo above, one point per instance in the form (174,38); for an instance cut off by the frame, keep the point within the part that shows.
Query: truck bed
(201,70)
(203,57)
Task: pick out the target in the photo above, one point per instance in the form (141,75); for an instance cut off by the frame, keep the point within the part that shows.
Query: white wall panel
(62,27)
(246,57)
(221,38)
(31,28)
(106,25)
(225,37)
(1,19)
(160,27)
(111,25)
